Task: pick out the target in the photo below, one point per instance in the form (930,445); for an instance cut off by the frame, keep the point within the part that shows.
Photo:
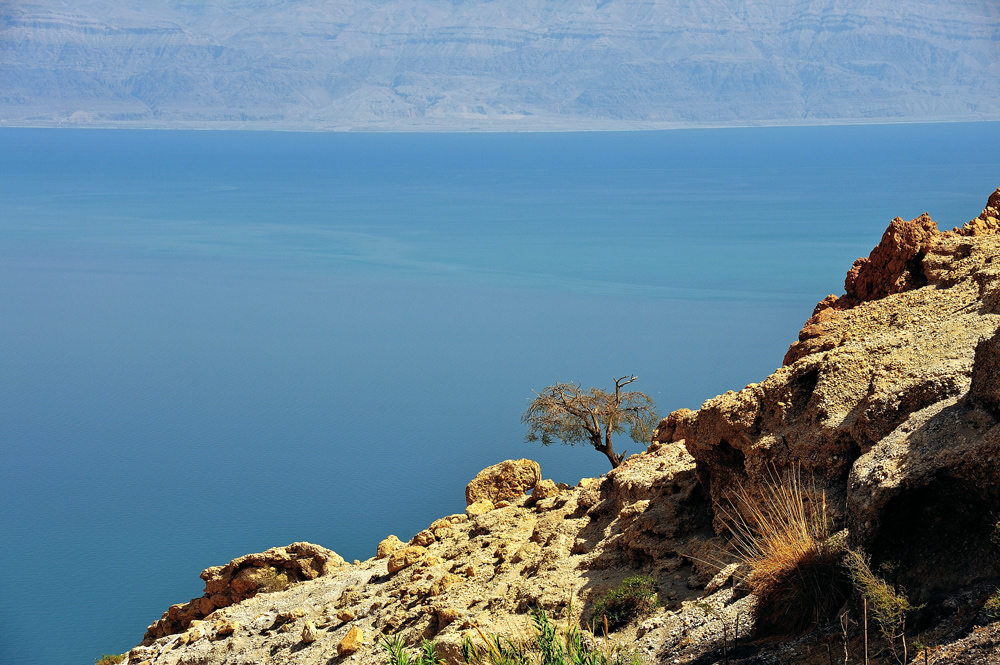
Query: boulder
(424,538)
(388,546)
(544,489)
(405,557)
(309,633)
(224,627)
(927,497)
(507,480)
(478,508)
(351,642)
(985,388)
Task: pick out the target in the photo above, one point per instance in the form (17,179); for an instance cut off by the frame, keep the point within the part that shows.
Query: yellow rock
(350,642)
(345,615)
(225,627)
(388,546)
(446,615)
(424,538)
(291,615)
(309,633)
(544,489)
(449,580)
(443,523)
(479,508)
(405,557)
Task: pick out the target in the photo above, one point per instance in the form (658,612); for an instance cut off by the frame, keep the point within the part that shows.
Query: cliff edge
(889,401)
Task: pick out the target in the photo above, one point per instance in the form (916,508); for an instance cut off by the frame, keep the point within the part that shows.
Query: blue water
(214,343)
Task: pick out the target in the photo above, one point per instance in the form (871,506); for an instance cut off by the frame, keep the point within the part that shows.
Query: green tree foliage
(567,413)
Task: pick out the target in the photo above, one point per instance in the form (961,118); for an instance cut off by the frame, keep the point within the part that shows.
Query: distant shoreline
(492,126)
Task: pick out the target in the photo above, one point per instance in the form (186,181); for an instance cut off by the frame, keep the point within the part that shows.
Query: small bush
(110,659)
(783,534)
(634,597)
(992,606)
(888,606)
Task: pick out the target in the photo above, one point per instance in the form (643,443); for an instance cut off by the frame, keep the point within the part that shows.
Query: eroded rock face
(505,481)
(900,341)
(243,578)
(907,257)
(927,497)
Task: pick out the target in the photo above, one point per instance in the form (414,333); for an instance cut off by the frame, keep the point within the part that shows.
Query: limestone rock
(424,538)
(985,388)
(722,578)
(405,557)
(225,627)
(345,615)
(388,546)
(507,480)
(443,584)
(927,498)
(351,642)
(309,633)
(479,508)
(140,654)
(544,489)
(246,576)
(902,339)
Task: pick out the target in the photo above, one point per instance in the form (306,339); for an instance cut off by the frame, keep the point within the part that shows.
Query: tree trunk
(609,452)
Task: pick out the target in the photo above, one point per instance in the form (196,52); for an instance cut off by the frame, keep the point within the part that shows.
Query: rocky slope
(477,64)
(889,400)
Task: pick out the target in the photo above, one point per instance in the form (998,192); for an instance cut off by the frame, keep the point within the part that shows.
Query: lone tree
(575,416)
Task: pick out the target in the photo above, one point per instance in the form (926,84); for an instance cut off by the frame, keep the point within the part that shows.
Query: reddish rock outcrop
(245,577)
(897,264)
(902,339)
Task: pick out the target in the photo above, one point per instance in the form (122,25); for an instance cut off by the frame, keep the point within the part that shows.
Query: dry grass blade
(782,532)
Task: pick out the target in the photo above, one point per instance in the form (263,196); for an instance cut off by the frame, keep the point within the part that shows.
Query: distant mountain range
(496,64)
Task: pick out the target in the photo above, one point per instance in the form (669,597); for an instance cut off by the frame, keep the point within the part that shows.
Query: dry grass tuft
(782,533)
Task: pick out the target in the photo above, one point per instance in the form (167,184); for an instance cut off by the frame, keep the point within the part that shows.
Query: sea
(216,342)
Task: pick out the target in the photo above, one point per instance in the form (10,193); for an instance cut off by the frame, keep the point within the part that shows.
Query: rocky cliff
(889,402)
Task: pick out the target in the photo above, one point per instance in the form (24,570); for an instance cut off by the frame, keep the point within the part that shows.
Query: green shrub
(992,606)
(887,605)
(634,597)
(398,655)
(110,659)
(550,646)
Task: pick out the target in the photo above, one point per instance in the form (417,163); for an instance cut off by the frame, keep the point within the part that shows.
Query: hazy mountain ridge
(609,64)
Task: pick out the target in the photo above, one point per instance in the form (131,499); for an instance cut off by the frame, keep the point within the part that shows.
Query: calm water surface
(214,343)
